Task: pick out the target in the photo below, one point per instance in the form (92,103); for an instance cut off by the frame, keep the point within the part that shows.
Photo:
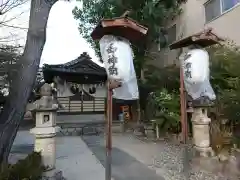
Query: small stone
(223,157)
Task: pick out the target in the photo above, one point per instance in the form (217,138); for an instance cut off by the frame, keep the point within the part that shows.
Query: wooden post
(82,94)
(183,109)
(184,124)
(69,105)
(110,86)
(108,169)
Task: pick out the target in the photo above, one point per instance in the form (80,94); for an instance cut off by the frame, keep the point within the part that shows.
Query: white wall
(191,21)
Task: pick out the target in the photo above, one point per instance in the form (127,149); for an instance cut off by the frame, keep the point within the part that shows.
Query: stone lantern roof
(46,102)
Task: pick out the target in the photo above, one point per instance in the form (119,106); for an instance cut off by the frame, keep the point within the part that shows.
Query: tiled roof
(76,69)
(82,57)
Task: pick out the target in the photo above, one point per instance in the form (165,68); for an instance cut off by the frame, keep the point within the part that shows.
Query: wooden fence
(81,104)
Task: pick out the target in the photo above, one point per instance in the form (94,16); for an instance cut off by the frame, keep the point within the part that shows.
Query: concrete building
(222,15)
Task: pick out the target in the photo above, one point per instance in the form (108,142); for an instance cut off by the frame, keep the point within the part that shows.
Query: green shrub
(165,109)
(29,168)
(225,79)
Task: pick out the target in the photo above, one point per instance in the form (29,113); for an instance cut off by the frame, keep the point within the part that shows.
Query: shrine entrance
(84,101)
(81,103)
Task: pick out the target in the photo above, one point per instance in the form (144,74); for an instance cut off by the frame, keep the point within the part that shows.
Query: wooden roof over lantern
(121,26)
(204,38)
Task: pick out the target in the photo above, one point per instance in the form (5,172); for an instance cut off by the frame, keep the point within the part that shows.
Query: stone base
(45,131)
(203,152)
(53,175)
(47,147)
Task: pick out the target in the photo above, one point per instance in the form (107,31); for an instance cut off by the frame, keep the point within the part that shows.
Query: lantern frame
(203,39)
(130,29)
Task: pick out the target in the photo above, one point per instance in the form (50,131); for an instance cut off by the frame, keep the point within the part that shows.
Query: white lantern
(195,65)
(117,57)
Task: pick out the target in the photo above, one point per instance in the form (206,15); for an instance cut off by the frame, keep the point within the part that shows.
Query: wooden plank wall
(95,105)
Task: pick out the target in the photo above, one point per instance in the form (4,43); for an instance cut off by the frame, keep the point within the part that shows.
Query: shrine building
(81,88)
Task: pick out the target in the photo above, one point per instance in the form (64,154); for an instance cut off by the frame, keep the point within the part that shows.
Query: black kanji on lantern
(113,70)
(111,49)
(112,59)
(188,65)
(188,73)
(186,56)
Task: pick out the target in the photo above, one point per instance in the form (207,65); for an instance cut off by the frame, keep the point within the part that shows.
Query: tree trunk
(22,86)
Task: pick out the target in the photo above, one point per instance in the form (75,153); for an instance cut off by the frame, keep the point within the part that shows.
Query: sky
(64,42)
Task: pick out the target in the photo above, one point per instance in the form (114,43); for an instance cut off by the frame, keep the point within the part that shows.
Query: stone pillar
(201,133)
(46,129)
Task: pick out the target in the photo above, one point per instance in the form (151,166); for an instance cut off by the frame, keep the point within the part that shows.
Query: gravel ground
(173,159)
(165,158)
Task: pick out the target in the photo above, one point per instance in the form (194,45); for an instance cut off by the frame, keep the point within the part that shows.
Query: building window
(171,34)
(214,8)
(228,4)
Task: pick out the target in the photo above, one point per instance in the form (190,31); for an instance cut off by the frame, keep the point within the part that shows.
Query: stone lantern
(46,129)
(201,136)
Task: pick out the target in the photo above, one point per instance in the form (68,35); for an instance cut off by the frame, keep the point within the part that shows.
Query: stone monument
(46,129)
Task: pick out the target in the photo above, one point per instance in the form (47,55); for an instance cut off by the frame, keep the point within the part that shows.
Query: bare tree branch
(6,18)
(8,5)
(16,27)
(10,40)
